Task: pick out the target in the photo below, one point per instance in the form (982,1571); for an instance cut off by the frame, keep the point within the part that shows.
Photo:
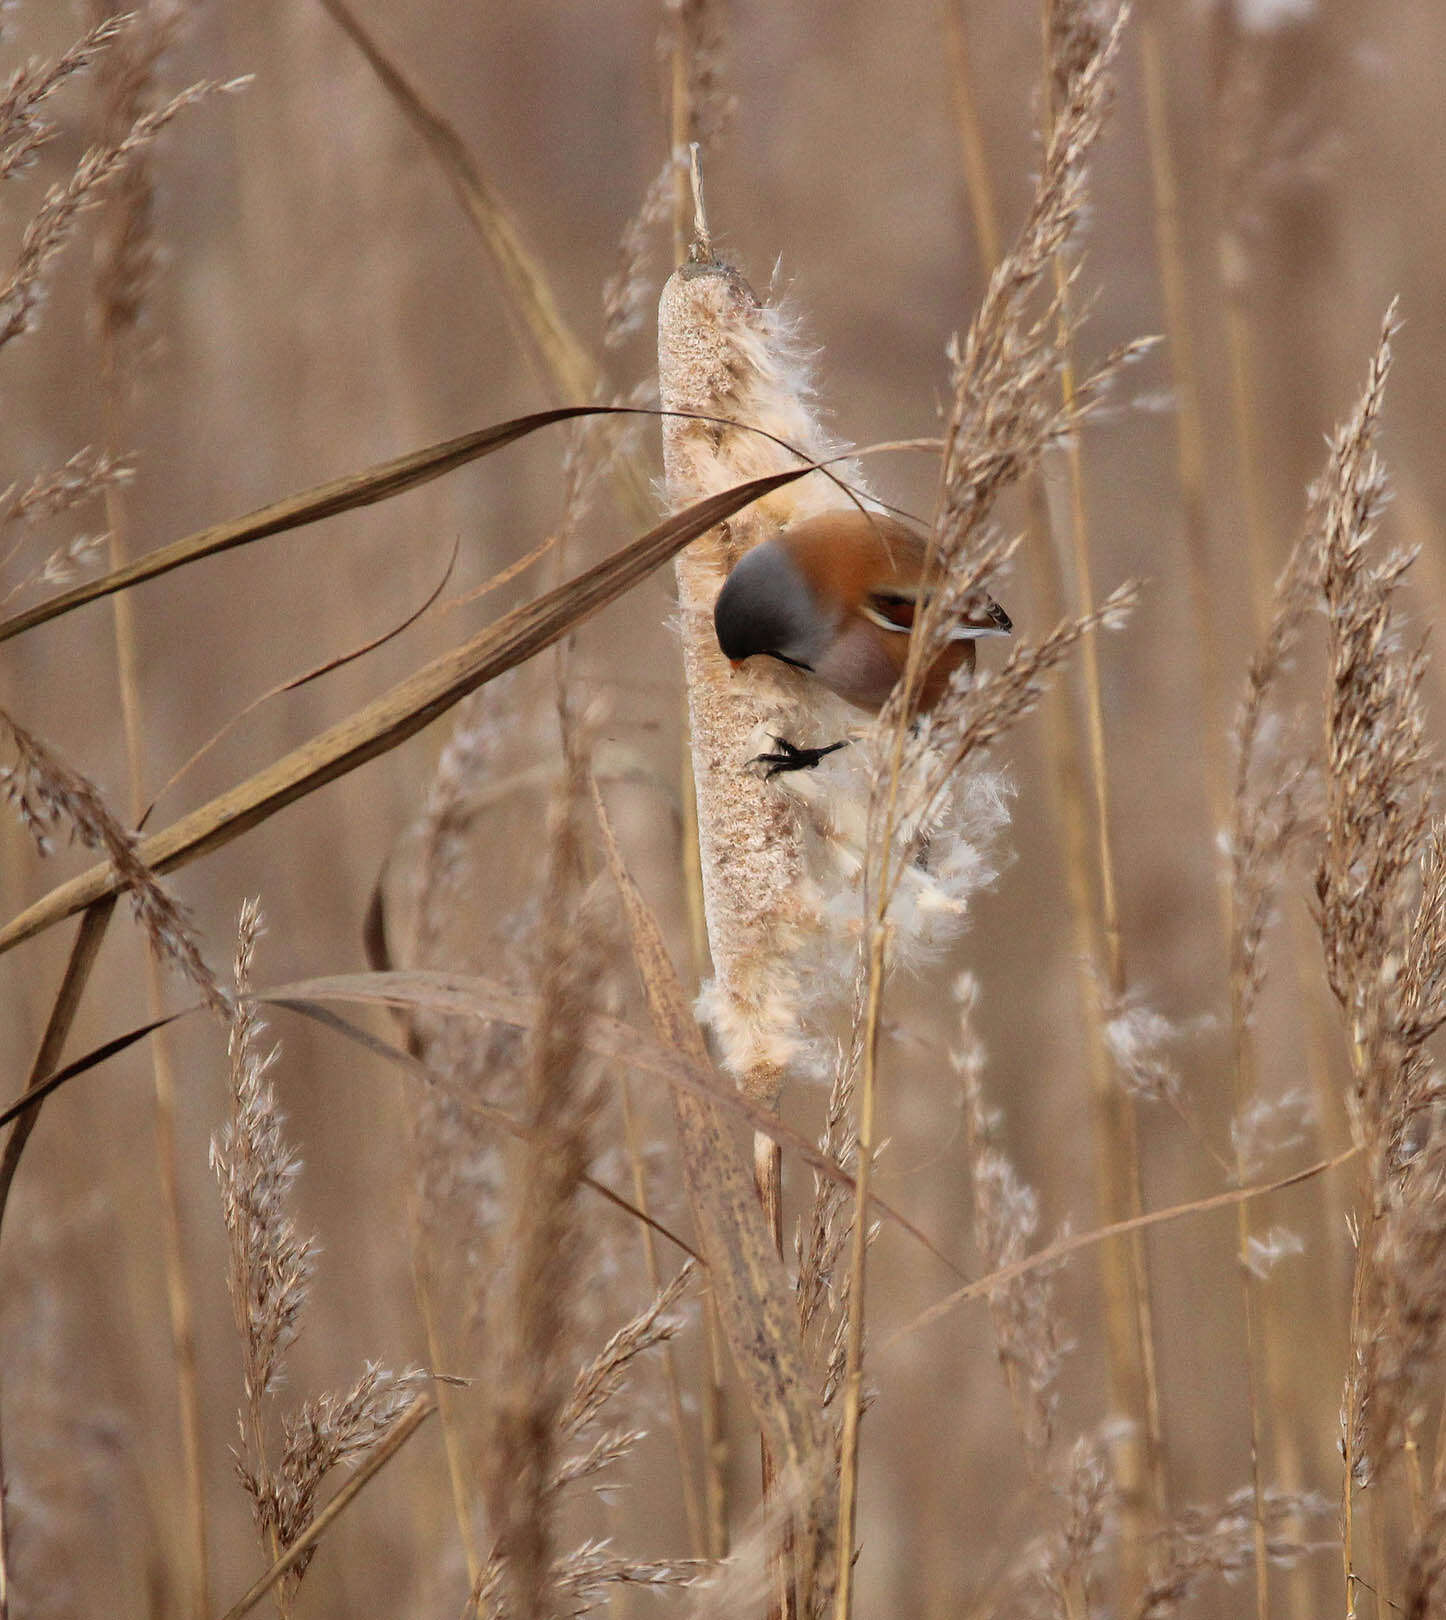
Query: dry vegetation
(1027,1124)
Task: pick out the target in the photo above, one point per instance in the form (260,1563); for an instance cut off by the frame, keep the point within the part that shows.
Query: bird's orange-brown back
(846,554)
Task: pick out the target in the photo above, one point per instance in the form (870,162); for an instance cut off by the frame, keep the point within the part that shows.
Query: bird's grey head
(766,607)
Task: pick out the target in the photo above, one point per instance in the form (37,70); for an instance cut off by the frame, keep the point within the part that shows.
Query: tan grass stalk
(1061,1248)
(125,270)
(1002,419)
(697,115)
(1066,777)
(452,1440)
(83,952)
(1238,123)
(973,159)
(1072,29)
(692,1509)
(1185,381)
(4,1535)
(1265,822)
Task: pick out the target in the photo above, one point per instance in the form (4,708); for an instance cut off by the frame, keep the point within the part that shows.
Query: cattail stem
(858,1254)
(724,355)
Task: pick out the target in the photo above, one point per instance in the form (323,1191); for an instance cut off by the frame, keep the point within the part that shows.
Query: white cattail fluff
(783,861)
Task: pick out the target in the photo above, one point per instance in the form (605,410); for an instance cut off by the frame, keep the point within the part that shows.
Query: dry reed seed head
(47,794)
(1406,1306)
(85,477)
(1006,401)
(271,1262)
(820,1245)
(1377,784)
(329,1430)
(1079,30)
(628,292)
(580,1578)
(697,31)
(585,1572)
(270,1271)
(1202,1544)
(1136,1036)
(973,715)
(1086,1495)
(51,227)
(23,130)
(601,1379)
(1377,887)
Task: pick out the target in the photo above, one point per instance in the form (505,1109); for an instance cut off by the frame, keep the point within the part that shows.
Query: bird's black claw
(790,757)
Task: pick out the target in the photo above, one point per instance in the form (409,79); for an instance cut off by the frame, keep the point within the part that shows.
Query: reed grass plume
(50,796)
(283,1455)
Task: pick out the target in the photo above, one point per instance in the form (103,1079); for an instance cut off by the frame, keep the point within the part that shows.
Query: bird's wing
(893,607)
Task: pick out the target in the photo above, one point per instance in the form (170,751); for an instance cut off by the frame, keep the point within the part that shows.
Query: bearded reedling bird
(835,596)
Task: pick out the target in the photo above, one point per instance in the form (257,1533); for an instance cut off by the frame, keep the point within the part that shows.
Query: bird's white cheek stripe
(883,623)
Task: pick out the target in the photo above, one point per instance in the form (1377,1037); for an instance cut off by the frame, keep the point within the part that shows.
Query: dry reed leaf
(1053,1253)
(476,997)
(379,483)
(473,996)
(405,710)
(83,952)
(296,682)
(755,1298)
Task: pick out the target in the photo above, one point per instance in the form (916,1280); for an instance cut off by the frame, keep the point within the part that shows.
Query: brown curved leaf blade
(475,996)
(295,682)
(347,494)
(30,1100)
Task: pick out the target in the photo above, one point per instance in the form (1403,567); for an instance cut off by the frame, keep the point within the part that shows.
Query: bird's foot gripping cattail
(787,756)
